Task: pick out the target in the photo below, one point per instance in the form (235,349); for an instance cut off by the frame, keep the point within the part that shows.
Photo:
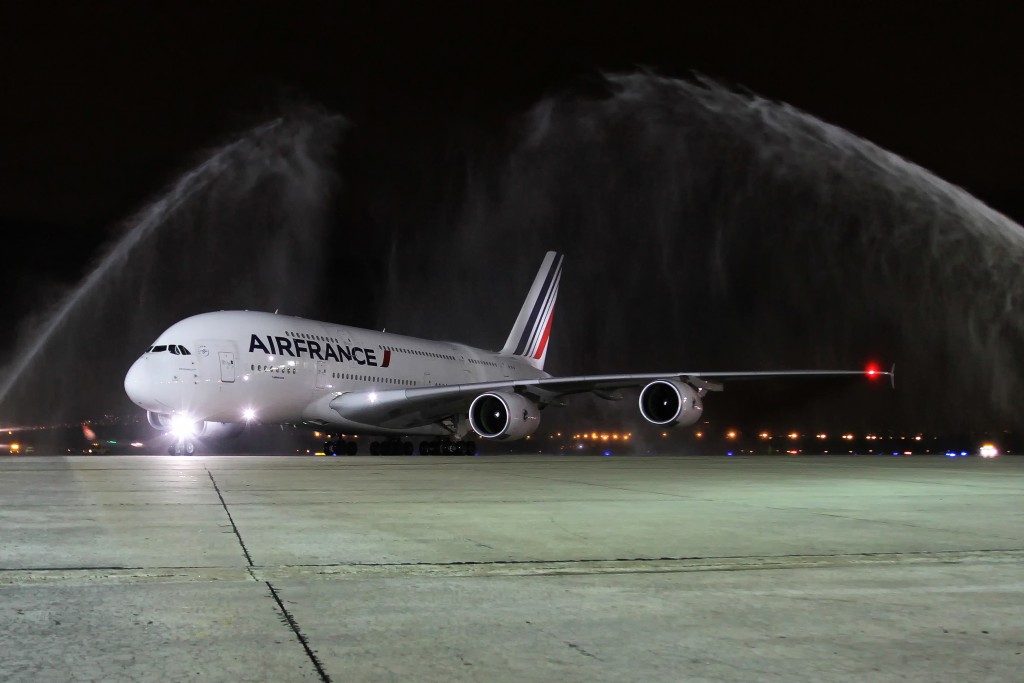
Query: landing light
(182,427)
(249,414)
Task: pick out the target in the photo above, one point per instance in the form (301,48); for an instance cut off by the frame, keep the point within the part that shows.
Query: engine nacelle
(669,402)
(220,430)
(503,416)
(181,426)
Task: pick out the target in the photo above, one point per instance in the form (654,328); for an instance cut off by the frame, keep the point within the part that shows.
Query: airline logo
(307,348)
(534,340)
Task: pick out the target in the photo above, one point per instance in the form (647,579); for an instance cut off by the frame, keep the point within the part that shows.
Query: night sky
(105,108)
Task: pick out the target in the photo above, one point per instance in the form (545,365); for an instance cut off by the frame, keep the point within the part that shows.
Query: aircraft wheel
(190,448)
(374,448)
(329,448)
(424,448)
(351,448)
(407,447)
(470,447)
(173,450)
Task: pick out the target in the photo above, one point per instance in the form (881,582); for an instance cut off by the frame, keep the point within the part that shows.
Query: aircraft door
(227,366)
(321,375)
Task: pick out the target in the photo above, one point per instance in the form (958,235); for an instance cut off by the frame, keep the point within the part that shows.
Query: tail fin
(529,336)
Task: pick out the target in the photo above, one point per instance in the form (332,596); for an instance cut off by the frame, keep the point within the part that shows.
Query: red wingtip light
(872,371)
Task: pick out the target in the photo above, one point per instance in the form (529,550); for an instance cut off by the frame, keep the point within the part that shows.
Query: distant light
(731,434)
(988,451)
(794,435)
(608,453)
(764,435)
(15,447)
(137,444)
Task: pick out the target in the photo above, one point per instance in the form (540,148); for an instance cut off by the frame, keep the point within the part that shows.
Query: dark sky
(104,106)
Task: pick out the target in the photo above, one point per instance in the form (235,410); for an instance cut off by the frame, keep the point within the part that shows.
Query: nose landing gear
(182,447)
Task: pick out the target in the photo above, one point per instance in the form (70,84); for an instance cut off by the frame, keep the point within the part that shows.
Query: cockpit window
(158,349)
(173,349)
(184,351)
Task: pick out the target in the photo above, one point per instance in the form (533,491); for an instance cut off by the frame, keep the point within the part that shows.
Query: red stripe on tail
(544,339)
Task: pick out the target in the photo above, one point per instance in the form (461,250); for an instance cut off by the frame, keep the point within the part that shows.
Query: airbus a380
(210,374)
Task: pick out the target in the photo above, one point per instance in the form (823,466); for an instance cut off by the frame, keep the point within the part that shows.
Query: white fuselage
(275,369)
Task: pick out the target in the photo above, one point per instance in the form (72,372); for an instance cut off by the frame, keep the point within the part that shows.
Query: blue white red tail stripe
(540,316)
(530,335)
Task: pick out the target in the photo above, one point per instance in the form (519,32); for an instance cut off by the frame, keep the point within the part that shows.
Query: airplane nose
(137,384)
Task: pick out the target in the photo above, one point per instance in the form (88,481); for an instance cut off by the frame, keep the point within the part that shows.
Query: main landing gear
(398,447)
(340,448)
(448,448)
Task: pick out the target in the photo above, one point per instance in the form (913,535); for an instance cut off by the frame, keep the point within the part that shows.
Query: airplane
(211,374)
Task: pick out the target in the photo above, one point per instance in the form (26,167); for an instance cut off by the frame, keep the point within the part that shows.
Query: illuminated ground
(511,568)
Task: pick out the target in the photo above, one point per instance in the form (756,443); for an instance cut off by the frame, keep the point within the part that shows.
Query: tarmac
(511,568)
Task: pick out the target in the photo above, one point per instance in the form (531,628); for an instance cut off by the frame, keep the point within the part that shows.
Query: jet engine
(503,416)
(182,427)
(669,402)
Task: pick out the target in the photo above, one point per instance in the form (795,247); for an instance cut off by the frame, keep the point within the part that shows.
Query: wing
(404,408)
